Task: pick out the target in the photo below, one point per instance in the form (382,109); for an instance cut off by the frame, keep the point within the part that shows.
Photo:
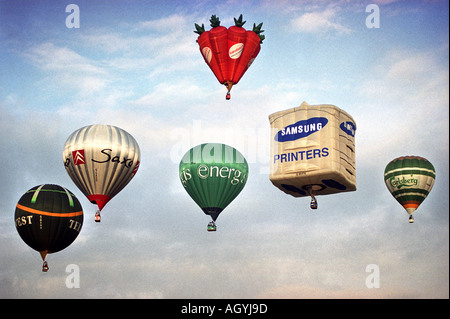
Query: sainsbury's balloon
(213,175)
(409,179)
(313,151)
(48,219)
(229,52)
(101,160)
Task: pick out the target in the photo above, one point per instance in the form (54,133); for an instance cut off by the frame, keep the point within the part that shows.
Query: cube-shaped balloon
(313,150)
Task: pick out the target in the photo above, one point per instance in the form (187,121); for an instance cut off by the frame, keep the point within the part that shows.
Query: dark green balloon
(48,218)
(213,175)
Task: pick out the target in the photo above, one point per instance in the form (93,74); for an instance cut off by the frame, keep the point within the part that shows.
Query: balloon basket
(98,217)
(311,189)
(228,85)
(313,204)
(211,227)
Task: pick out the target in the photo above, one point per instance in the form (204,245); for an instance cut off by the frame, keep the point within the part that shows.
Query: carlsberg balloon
(409,179)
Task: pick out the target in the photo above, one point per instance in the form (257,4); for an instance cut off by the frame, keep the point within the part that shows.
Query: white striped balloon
(101,160)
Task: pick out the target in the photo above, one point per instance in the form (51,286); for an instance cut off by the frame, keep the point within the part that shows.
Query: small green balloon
(409,179)
(213,175)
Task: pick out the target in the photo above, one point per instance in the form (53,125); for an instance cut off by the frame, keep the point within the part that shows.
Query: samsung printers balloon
(313,151)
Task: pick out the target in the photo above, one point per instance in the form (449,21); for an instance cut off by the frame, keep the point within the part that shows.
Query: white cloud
(67,70)
(50,57)
(405,99)
(169,94)
(174,22)
(150,48)
(107,41)
(320,22)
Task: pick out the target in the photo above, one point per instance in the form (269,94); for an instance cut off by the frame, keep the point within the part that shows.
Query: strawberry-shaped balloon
(229,52)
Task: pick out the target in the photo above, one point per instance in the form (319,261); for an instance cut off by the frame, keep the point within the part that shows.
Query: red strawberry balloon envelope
(229,52)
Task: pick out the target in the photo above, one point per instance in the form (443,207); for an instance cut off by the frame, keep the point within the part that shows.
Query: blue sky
(135,64)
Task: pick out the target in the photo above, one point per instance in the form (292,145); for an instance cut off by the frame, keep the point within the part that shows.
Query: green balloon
(410,180)
(213,175)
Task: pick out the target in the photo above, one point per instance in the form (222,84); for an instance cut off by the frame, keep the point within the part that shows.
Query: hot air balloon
(313,151)
(48,219)
(409,179)
(229,52)
(101,160)
(213,175)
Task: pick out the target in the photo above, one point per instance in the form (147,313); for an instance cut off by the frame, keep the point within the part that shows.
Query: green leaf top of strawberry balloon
(239,22)
(215,22)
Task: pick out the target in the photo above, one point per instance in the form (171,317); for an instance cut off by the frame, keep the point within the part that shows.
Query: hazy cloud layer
(143,72)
